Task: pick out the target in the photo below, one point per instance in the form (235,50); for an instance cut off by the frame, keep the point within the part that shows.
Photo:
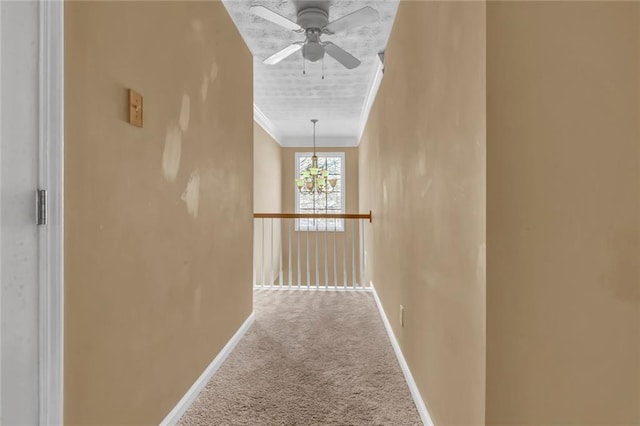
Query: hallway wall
(158,227)
(563,213)
(267,198)
(422,173)
(267,172)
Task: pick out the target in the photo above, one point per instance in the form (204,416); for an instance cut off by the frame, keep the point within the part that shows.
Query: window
(333,202)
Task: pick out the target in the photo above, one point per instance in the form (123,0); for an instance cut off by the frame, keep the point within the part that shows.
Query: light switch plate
(135,108)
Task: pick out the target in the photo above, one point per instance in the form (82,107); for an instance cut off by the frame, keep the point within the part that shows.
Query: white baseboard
(413,388)
(174,416)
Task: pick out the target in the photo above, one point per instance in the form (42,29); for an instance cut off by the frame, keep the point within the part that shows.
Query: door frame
(51,235)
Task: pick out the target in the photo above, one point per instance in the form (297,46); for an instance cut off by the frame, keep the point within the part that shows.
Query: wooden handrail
(313,216)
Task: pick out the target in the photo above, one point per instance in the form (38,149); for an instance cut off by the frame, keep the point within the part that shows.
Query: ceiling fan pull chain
(323,67)
(304,70)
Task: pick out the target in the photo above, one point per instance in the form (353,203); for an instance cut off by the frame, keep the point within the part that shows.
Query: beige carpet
(311,358)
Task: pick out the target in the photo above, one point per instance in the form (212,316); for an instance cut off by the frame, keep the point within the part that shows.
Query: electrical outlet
(401,316)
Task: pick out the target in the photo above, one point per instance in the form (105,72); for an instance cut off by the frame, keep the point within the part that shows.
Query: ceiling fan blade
(272,16)
(341,55)
(360,17)
(278,56)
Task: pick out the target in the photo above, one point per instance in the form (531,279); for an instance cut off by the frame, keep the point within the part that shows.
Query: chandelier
(315,179)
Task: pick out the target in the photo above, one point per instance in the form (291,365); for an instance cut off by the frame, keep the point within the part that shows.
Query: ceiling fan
(314,22)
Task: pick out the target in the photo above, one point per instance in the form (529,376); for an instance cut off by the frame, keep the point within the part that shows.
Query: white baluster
(344,252)
(363,280)
(271,256)
(335,260)
(353,252)
(308,266)
(280,252)
(299,280)
(262,223)
(317,269)
(326,255)
(290,266)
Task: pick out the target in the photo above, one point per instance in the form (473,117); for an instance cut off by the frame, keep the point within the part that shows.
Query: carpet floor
(310,358)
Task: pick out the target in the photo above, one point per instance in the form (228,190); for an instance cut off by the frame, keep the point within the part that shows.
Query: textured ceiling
(287,98)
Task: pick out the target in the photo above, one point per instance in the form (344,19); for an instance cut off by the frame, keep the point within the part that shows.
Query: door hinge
(41,206)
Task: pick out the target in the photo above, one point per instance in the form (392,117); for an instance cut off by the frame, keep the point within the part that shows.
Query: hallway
(169,167)
(311,357)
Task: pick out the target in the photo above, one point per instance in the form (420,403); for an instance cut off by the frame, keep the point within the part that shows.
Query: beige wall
(267,172)
(267,198)
(158,223)
(422,173)
(563,205)
(323,243)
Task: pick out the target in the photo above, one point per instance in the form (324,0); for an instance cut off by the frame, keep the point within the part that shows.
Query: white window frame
(343,186)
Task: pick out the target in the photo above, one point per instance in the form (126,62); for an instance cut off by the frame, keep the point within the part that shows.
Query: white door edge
(51,235)
(1,258)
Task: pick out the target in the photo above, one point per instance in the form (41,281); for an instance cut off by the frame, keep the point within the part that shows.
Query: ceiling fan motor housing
(313,17)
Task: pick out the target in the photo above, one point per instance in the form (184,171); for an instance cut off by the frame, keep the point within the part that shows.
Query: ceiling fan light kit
(314,22)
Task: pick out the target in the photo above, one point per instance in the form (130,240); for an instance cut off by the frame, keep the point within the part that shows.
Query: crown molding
(371,97)
(326,142)
(321,142)
(300,141)
(266,124)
